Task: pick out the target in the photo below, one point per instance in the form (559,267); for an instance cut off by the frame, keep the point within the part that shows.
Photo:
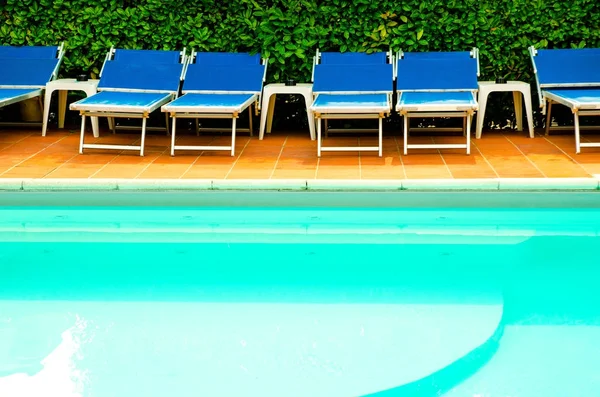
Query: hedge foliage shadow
(289,31)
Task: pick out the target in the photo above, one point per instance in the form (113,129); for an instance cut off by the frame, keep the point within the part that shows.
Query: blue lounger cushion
(421,73)
(359,103)
(214,103)
(111,101)
(568,67)
(141,76)
(26,71)
(232,78)
(577,98)
(353,58)
(28,52)
(439,100)
(227,58)
(375,78)
(12,95)
(147,56)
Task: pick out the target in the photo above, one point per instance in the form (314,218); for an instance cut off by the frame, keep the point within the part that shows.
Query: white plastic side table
(519,89)
(270,91)
(90,87)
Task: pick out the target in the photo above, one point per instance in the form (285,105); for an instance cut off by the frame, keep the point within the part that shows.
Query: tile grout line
(400,155)
(524,155)
(236,160)
(567,154)
(279,156)
(443,160)
(33,155)
(474,145)
(195,160)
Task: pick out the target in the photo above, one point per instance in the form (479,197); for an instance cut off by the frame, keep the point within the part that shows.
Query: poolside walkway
(24,153)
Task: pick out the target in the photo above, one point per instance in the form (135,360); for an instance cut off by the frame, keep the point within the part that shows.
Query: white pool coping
(490,184)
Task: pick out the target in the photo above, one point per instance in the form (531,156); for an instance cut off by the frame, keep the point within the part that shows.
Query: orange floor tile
(24,153)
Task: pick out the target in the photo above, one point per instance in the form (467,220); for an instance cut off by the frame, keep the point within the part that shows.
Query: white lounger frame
(33,94)
(578,109)
(356,114)
(426,111)
(213,112)
(139,112)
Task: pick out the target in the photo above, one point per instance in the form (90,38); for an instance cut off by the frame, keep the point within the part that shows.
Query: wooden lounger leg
(82,134)
(549,118)
(233,136)
(173,136)
(167,123)
(405,134)
(250,119)
(143,136)
(380,136)
(197,127)
(577,137)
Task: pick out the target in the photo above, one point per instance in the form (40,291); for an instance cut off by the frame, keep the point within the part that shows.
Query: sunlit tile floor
(24,153)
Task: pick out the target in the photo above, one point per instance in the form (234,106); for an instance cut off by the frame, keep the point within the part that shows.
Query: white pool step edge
(489,184)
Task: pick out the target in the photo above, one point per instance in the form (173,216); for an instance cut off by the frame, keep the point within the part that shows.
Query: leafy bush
(289,31)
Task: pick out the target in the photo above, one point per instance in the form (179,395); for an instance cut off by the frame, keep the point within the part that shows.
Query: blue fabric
(353,78)
(583,95)
(35,52)
(438,55)
(569,66)
(437,98)
(227,58)
(415,73)
(8,93)
(211,100)
(26,71)
(353,58)
(144,76)
(146,56)
(200,77)
(351,101)
(110,98)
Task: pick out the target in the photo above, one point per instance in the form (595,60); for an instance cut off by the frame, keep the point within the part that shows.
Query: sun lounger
(24,71)
(133,83)
(570,77)
(352,86)
(442,84)
(217,86)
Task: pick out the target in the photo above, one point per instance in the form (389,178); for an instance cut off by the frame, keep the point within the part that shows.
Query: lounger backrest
(144,76)
(227,58)
(568,67)
(435,73)
(353,58)
(28,52)
(147,56)
(373,78)
(26,71)
(448,55)
(242,78)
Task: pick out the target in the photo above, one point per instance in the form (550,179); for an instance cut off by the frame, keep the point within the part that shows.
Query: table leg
(264,112)
(47,100)
(62,107)
(517,96)
(310,116)
(529,112)
(483,96)
(270,113)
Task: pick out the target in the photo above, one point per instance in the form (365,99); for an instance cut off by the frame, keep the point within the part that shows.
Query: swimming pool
(299,294)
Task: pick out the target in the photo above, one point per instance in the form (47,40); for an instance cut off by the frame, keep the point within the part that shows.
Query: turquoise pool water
(314,301)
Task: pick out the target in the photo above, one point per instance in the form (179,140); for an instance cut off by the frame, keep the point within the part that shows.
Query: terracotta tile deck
(24,153)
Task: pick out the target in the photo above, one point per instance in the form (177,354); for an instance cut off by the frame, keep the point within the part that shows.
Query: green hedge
(289,31)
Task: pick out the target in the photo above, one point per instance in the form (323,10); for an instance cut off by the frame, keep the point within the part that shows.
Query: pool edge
(153,185)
